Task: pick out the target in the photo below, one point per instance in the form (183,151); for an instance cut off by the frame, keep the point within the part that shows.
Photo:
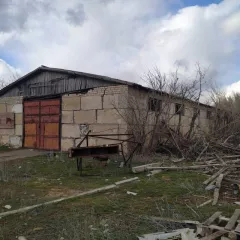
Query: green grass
(5,148)
(113,214)
(38,179)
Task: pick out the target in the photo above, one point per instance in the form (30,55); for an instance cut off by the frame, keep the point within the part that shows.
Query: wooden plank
(214,235)
(237,229)
(87,193)
(214,176)
(217,189)
(143,168)
(193,167)
(221,218)
(233,220)
(205,203)
(212,218)
(215,227)
(220,159)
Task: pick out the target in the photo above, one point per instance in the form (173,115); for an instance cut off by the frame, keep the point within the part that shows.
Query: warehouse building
(52,109)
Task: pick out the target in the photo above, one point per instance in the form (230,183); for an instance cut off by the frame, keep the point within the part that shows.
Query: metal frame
(108,137)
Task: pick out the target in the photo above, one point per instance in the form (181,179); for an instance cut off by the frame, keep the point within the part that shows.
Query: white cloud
(126,38)
(232,88)
(8,73)
(4,37)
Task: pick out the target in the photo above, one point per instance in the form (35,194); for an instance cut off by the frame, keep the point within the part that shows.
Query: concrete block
(91,102)
(17,108)
(9,108)
(111,101)
(3,108)
(14,108)
(15,141)
(91,142)
(88,116)
(185,121)
(78,140)
(67,143)
(188,112)
(106,142)
(104,128)
(18,130)
(6,131)
(122,129)
(70,131)
(18,118)
(4,140)
(71,103)
(203,114)
(109,116)
(67,116)
(11,100)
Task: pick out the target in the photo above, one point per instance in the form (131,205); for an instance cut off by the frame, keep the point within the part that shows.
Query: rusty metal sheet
(30,141)
(51,143)
(51,129)
(31,108)
(50,119)
(7,120)
(42,121)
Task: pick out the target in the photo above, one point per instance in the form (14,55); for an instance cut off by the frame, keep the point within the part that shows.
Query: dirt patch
(19,154)
(227,193)
(62,192)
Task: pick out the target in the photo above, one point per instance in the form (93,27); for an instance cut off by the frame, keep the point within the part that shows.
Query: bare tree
(149,116)
(11,78)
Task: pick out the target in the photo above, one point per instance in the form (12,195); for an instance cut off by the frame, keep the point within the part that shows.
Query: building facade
(52,109)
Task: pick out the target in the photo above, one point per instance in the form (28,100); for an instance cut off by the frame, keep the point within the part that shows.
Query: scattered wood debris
(144,168)
(214,227)
(185,234)
(225,173)
(218,225)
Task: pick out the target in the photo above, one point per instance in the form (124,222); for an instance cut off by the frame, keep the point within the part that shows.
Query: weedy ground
(113,214)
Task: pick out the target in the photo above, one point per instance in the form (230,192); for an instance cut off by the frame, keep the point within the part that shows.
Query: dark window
(196,111)
(154,104)
(209,114)
(179,108)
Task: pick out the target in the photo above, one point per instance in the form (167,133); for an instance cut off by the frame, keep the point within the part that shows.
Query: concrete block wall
(95,111)
(12,137)
(201,120)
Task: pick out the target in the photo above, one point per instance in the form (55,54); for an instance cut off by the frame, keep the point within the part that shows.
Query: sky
(122,38)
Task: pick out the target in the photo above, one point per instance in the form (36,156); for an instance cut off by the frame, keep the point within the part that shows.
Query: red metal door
(41,124)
